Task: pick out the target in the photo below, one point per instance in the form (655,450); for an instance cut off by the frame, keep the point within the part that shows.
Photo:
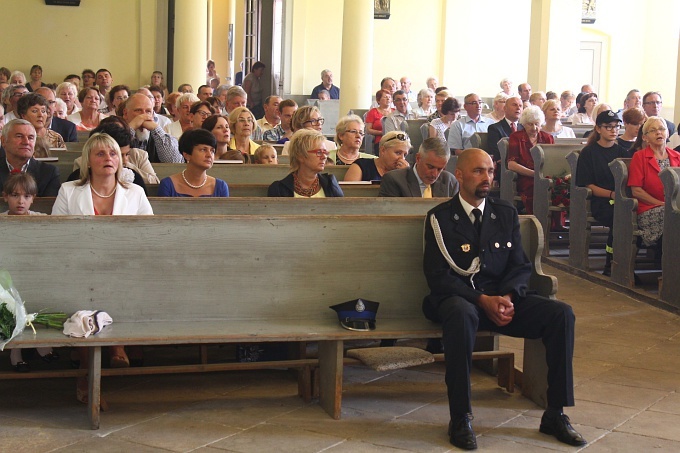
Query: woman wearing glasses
(199,112)
(394,146)
(349,134)
(308,156)
(644,181)
(242,125)
(308,117)
(519,154)
(593,172)
(375,115)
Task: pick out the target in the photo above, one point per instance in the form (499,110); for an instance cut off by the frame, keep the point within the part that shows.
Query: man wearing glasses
(64,128)
(13,93)
(652,103)
(396,121)
(461,131)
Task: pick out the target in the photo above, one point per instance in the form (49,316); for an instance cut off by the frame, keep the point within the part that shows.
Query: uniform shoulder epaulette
(441,207)
(497,202)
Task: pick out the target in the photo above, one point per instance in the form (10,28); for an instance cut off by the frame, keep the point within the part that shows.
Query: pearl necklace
(191,185)
(104,196)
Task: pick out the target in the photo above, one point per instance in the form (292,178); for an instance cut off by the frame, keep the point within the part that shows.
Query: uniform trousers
(535,317)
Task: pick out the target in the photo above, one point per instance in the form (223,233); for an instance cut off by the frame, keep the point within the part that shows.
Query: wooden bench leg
(506,372)
(330,376)
(94,384)
(535,373)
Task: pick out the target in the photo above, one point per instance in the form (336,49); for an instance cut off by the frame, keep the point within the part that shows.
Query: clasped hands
(144,120)
(499,309)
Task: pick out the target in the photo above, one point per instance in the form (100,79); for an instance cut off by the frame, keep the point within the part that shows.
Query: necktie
(427,193)
(513,127)
(478,220)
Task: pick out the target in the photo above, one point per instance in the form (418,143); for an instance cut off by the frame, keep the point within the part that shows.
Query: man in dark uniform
(478,280)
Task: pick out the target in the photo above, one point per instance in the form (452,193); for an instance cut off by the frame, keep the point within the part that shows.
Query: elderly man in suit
(16,156)
(478,276)
(428,177)
(65,128)
(513,110)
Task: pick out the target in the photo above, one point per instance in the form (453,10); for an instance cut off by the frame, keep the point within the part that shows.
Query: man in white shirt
(406,88)
(461,131)
(396,120)
(271,117)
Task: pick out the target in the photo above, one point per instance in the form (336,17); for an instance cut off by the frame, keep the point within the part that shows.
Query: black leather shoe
(50,357)
(461,434)
(22,367)
(558,425)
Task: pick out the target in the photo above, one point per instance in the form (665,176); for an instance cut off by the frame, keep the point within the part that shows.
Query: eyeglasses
(244,120)
(401,137)
(653,102)
(611,127)
(19,94)
(315,122)
(355,132)
(319,152)
(654,131)
(475,103)
(205,114)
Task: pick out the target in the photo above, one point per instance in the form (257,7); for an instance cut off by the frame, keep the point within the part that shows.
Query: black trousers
(603,212)
(535,317)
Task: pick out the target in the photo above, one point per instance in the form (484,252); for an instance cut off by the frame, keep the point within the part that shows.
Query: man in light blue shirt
(461,131)
(396,120)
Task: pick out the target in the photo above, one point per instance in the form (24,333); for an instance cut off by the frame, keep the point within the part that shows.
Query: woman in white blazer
(100,190)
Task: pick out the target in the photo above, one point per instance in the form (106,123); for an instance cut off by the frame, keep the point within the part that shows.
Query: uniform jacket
(504,266)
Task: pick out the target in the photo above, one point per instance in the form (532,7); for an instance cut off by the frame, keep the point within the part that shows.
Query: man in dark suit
(65,128)
(428,172)
(16,155)
(505,127)
(651,104)
(478,275)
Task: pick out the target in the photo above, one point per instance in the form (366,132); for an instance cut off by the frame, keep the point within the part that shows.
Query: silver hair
(191,97)
(434,145)
(532,114)
(16,122)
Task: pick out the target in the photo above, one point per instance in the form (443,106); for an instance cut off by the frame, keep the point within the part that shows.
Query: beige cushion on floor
(391,358)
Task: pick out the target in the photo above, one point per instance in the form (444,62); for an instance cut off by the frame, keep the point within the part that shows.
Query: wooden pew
(549,162)
(414,132)
(670,287)
(274,206)
(580,218)
(626,233)
(197,302)
(480,140)
(246,174)
(508,177)
(260,190)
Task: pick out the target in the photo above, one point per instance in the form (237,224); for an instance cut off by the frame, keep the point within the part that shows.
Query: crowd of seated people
(156,120)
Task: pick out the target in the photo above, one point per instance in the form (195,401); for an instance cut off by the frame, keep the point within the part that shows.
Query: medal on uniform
(465,247)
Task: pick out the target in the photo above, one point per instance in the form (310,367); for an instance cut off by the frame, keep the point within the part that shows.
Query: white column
(191,31)
(357,55)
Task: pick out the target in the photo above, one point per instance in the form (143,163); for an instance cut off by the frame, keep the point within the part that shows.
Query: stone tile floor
(626,363)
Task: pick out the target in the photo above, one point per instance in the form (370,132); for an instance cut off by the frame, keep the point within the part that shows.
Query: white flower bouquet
(13,316)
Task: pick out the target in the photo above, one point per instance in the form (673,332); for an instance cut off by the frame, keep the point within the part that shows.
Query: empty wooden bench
(169,280)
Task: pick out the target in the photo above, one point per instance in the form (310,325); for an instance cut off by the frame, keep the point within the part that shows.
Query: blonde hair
(261,150)
(343,122)
(99,140)
(301,115)
(233,118)
(301,142)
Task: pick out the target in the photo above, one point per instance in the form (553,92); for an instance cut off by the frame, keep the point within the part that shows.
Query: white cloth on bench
(84,323)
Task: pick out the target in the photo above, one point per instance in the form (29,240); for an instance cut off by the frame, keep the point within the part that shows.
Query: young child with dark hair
(19,191)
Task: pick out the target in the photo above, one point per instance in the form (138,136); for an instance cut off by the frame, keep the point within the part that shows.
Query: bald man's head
(474,172)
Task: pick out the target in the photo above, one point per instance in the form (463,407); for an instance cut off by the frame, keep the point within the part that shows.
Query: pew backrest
(580,218)
(670,288)
(508,177)
(626,227)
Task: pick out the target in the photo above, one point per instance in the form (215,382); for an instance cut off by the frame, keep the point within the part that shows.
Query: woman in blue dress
(198,148)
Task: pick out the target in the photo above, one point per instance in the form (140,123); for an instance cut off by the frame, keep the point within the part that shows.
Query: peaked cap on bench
(357,314)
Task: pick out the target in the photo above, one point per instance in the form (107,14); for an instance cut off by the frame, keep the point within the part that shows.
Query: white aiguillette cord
(470,271)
